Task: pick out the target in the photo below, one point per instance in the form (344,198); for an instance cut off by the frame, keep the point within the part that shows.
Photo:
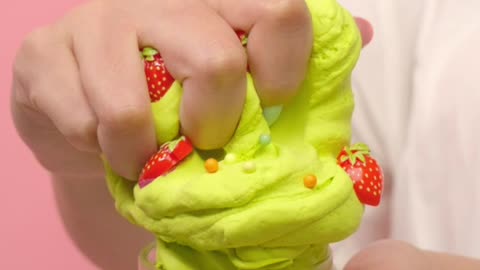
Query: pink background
(29,220)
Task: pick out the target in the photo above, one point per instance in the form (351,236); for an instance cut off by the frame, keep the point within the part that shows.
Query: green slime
(266,219)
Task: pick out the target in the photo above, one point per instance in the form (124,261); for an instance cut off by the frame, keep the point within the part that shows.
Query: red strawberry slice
(165,160)
(365,172)
(182,149)
(159,79)
(242,36)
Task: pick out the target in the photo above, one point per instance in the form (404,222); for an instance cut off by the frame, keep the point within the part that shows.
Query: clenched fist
(79,89)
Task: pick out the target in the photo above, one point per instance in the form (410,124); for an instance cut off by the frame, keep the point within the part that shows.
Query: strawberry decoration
(159,82)
(159,79)
(165,160)
(242,36)
(365,172)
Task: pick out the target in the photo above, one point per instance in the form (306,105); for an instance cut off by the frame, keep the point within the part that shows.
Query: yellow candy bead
(310,181)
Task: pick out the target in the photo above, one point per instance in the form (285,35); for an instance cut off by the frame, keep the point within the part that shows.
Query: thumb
(387,254)
(366,29)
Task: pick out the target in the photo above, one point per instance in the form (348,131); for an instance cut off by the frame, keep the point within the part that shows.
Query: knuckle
(125,118)
(32,49)
(286,10)
(222,63)
(82,135)
(35,41)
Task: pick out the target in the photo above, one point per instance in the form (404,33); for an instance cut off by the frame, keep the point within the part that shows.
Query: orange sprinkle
(310,181)
(211,165)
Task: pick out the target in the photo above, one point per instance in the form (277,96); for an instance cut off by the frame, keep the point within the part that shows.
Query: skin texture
(89,60)
(398,255)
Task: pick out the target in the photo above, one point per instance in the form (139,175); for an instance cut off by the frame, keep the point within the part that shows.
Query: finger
(112,76)
(57,93)
(206,56)
(366,30)
(279,43)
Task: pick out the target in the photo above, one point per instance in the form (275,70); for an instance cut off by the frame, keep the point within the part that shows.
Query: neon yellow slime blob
(266,219)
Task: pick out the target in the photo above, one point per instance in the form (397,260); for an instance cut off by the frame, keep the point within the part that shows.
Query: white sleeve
(416,95)
(437,185)
(382,87)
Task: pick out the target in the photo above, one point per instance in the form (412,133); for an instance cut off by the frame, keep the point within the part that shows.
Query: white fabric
(418,107)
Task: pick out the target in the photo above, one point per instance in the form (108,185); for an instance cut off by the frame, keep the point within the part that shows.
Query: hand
(391,255)
(79,87)
(79,90)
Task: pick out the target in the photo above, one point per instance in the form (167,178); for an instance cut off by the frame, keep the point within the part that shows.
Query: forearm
(445,261)
(90,219)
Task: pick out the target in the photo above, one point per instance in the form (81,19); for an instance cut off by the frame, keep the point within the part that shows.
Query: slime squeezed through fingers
(278,197)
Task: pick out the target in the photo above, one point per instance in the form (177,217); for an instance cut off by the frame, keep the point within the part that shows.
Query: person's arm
(90,218)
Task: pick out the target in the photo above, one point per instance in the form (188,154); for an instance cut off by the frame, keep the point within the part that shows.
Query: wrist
(91,221)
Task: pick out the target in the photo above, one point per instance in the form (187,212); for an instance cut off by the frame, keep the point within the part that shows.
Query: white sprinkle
(249,167)
(230,158)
